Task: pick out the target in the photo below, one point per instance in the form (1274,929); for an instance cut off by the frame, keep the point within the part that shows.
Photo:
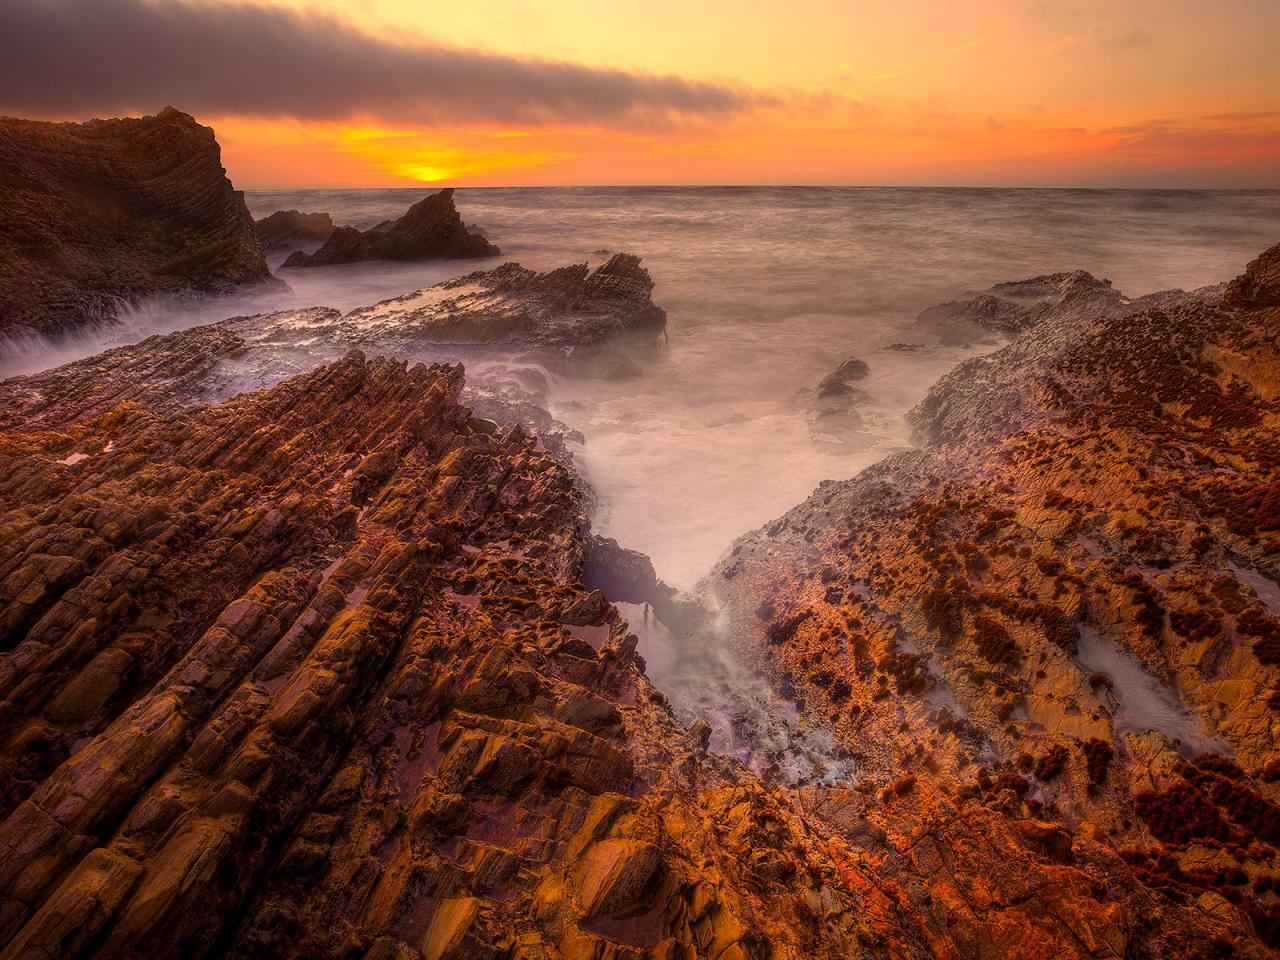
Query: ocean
(766,291)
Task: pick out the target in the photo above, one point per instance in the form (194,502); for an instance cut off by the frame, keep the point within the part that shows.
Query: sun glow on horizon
(1163,93)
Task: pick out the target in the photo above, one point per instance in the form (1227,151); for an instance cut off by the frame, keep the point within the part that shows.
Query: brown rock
(1074,543)
(290,229)
(110,210)
(1259,285)
(431,229)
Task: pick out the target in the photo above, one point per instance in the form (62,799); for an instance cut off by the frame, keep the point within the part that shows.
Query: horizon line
(768,186)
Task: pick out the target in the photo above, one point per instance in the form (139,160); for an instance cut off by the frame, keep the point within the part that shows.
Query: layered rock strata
(312,672)
(104,212)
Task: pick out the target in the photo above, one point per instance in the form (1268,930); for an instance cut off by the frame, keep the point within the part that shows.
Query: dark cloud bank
(101,57)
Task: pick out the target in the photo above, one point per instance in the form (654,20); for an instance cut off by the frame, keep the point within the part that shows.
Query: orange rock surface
(313,672)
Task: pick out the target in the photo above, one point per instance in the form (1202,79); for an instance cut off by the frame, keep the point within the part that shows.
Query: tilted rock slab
(312,672)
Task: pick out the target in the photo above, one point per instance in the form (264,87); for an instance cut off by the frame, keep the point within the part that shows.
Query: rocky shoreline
(1049,635)
(307,648)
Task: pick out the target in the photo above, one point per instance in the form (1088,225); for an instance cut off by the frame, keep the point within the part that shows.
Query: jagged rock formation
(431,229)
(567,317)
(1007,309)
(1259,285)
(312,672)
(95,213)
(290,229)
(1052,635)
(569,307)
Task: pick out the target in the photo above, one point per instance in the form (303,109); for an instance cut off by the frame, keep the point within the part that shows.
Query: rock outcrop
(569,318)
(290,229)
(1051,636)
(1007,309)
(312,672)
(839,381)
(1259,285)
(93,214)
(569,307)
(431,229)
(329,668)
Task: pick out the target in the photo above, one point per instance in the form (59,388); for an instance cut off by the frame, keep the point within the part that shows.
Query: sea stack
(431,229)
(97,213)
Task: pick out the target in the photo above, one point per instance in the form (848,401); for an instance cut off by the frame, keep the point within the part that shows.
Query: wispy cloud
(1129,40)
(81,57)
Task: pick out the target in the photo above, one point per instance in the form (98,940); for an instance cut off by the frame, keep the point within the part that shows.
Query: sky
(365,93)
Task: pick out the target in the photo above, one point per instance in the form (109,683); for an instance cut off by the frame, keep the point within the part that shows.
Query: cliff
(431,229)
(96,213)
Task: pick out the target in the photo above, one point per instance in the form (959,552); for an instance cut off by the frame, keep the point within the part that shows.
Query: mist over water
(766,290)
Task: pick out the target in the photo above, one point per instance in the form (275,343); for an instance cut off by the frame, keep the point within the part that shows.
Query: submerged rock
(837,382)
(106,211)
(290,229)
(430,229)
(831,410)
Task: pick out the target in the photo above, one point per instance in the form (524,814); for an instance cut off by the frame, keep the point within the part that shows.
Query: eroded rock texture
(431,229)
(312,673)
(566,317)
(1052,635)
(290,229)
(110,210)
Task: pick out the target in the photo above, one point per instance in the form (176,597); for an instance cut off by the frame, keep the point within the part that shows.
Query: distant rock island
(290,229)
(96,213)
(431,229)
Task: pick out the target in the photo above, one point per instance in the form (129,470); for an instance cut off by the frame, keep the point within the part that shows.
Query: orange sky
(986,92)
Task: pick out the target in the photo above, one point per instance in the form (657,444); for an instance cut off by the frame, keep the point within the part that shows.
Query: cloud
(100,57)
(1130,40)
(1239,119)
